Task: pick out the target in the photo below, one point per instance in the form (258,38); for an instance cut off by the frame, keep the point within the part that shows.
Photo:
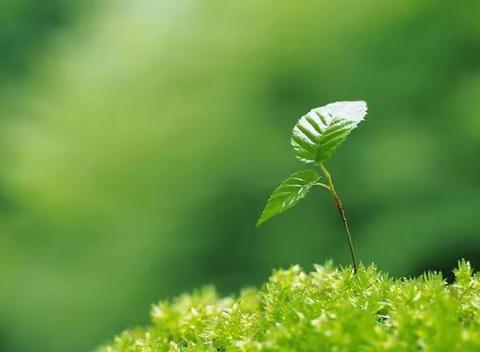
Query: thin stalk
(323,185)
(341,210)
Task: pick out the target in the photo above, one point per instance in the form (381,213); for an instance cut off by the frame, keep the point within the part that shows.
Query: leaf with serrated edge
(320,132)
(288,194)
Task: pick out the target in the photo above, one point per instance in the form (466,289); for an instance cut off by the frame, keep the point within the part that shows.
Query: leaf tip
(262,219)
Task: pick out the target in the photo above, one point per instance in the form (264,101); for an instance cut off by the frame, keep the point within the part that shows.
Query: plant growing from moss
(328,309)
(315,138)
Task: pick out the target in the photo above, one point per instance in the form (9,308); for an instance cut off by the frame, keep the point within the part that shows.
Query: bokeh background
(140,139)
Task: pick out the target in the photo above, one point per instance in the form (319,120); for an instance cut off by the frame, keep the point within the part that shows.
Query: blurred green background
(139,140)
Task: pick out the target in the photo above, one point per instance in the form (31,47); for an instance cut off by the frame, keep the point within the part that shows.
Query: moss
(329,309)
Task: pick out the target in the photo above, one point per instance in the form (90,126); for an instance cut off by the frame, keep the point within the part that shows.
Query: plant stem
(341,210)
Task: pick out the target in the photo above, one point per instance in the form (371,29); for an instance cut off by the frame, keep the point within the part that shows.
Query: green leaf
(319,133)
(288,194)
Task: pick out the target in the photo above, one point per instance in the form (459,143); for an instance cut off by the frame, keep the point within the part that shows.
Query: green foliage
(315,138)
(326,310)
(320,132)
(289,193)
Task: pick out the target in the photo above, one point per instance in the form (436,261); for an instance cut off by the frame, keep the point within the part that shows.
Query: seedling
(315,138)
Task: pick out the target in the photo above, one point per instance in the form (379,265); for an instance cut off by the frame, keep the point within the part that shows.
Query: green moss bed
(329,309)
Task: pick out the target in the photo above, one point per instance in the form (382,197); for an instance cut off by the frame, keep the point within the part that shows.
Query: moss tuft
(328,309)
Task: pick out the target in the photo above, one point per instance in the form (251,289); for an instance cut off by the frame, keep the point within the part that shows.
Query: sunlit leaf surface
(319,133)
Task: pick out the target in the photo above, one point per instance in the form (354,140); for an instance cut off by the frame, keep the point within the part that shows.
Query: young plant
(315,138)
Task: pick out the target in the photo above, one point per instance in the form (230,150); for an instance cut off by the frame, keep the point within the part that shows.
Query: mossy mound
(328,309)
